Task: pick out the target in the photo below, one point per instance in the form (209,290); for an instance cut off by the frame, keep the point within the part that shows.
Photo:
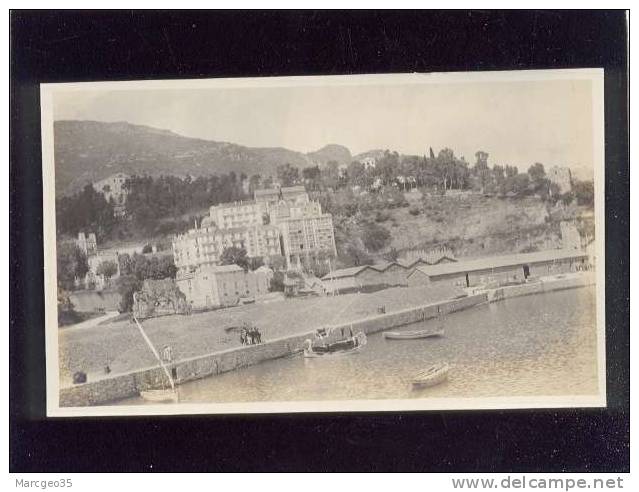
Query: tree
(511,171)
(554,192)
(518,184)
(151,200)
(66,309)
(536,172)
(277,262)
(163,267)
(444,166)
(140,267)
(481,170)
(540,184)
(288,175)
(330,174)
(427,171)
(566,198)
(71,264)
(355,255)
(127,285)
(125,264)
(277,281)
(156,268)
(312,176)
(268,182)
(375,237)
(584,192)
(409,168)
(388,166)
(107,269)
(235,256)
(87,210)
(357,174)
(256,262)
(254,183)
(460,173)
(311,173)
(391,255)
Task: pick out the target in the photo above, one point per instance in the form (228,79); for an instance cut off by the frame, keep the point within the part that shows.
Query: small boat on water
(331,342)
(413,334)
(432,376)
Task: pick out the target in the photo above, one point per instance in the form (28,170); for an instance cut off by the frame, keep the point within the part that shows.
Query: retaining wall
(548,285)
(92,300)
(121,386)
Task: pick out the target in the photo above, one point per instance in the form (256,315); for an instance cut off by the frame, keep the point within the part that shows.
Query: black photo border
(65,46)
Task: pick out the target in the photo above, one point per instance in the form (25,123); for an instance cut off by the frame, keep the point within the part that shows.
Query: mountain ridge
(86,151)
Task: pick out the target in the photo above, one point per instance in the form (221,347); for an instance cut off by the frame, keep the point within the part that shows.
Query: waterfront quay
(214,351)
(119,343)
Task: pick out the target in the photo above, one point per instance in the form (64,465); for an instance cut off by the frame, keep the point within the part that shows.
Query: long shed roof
(344,272)
(380,267)
(490,262)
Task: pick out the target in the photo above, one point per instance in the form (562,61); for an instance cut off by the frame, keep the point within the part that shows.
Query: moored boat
(330,342)
(413,334)
(432,376)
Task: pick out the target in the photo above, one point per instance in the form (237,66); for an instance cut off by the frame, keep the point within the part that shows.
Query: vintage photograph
(314,244)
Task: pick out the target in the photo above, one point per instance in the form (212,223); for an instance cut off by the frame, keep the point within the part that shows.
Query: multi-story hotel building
(278,222)
(114,191)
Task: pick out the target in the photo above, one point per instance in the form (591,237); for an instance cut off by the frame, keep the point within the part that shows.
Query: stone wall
(548,285)
(93,300)
(117,387)
(126,385)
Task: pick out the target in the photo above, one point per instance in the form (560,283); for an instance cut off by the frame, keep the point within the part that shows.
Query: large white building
(224,285)
(369,162)
(562,177)
(87,243)
(277,222)
(114,191)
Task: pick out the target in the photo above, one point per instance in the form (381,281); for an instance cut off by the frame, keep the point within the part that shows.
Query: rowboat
(414,334)
(432,376)
(324,347)
(160,395)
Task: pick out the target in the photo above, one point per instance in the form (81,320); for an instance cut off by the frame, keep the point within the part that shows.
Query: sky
(517,123)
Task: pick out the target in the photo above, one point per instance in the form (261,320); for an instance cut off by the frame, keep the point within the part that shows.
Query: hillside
(471,225)
(337,153)
(87,151)
(376,154)
(476,225)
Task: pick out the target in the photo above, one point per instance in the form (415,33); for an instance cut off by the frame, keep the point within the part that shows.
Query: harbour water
(539,345)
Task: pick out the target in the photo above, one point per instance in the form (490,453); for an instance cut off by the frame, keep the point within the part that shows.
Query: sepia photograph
(325,243)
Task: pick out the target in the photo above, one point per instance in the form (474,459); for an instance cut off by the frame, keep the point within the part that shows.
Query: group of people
(250,335)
